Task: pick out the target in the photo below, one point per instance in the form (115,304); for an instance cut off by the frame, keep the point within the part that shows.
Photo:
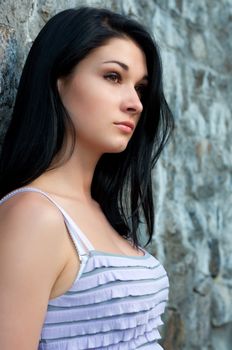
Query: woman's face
(103,95)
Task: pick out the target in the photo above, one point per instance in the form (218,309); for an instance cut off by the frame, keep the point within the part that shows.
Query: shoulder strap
(79,239)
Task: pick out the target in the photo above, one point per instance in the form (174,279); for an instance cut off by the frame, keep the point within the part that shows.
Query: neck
(71,178)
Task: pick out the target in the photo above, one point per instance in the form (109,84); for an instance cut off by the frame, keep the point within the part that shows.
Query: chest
(97,229)
(115,302)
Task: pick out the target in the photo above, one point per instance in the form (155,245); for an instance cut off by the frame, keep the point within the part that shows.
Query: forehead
(124,50)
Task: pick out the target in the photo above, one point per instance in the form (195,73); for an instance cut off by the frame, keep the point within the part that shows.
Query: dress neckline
(90,251)
(100,252)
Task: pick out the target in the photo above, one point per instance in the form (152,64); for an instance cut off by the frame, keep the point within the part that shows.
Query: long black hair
(122,182)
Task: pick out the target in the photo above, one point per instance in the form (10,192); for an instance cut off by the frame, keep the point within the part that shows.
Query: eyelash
(111,75)
(140,89)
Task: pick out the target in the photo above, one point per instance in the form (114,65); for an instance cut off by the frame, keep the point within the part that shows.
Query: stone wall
(193,179)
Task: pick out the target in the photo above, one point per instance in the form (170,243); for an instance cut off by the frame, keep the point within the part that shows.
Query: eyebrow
(124,66)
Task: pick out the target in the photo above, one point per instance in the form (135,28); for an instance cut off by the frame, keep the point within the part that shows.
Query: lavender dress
(115,302)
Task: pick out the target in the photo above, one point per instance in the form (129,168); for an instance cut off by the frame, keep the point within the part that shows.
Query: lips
(126,124)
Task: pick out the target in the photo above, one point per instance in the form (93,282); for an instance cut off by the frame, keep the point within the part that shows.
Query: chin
(117,148)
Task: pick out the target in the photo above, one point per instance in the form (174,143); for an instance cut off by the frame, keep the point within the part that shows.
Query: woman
(89,123)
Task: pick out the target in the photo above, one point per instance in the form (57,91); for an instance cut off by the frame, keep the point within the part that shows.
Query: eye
(113,76)
(141,90)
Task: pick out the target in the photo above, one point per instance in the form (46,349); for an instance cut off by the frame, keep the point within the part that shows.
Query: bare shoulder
(31,258)
(30,223)
(28,208)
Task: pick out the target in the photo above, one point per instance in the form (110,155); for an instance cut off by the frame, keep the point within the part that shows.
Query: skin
(37,258)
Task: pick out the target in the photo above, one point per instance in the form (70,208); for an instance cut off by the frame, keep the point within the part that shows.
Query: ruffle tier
(116,303)
(117,308)
(123,340)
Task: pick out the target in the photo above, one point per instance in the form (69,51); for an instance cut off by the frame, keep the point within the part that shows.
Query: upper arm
(30,261)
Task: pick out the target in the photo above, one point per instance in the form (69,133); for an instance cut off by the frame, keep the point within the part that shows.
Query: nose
(131,102)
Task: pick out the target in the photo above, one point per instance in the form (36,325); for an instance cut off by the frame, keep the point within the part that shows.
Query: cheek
(86,100)
(89,115)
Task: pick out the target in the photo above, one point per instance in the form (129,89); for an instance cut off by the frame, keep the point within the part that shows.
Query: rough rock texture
(193,179)
(8,74)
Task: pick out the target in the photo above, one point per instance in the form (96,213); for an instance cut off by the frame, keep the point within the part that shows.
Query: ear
(59,85)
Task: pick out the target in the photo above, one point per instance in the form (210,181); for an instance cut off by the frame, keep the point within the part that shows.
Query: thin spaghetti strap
(74,230)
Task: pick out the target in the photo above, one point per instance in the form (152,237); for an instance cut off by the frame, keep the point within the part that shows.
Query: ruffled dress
(115,302)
